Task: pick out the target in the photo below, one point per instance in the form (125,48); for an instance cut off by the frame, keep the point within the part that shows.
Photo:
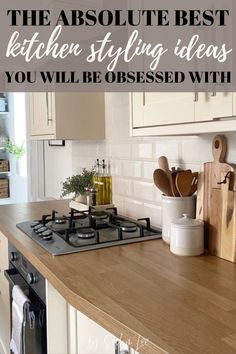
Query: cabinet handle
(213,94)
(118,351)
(144,98)
(196,97)
(48,116)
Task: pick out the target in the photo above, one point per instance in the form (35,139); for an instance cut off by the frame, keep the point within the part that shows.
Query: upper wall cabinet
(211,106)
(69,116)
(182,113)
(151,108)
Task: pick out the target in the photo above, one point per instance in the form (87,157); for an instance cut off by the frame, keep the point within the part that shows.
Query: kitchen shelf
(3,113)
(4,172)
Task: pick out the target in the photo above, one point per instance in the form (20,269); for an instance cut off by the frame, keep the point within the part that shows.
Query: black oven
(22,273)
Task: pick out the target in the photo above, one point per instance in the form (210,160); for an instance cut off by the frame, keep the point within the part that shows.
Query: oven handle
(9,275)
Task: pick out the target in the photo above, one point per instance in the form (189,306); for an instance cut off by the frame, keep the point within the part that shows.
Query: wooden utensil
(184,182)
(212,199)
(175,190)
(162,182)
(164,165)
(194,183)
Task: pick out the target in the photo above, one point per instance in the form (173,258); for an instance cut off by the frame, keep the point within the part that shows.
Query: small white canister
(172,209)
(187,237)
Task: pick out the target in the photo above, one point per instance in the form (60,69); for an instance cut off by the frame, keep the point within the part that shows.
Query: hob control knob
(13,256)
(31,278)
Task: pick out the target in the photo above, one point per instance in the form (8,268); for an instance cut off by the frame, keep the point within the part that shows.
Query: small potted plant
(76,185)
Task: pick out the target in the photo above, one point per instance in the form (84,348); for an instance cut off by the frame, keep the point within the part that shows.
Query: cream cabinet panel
(210,106)
(162,108)
(69,116)
(234,104)
(4,297)
(42,121)
(157,114)
(92,338)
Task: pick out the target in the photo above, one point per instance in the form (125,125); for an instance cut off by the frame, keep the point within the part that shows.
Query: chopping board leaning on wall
(216,202)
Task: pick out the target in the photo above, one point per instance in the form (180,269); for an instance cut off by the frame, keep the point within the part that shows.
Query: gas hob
(87,230)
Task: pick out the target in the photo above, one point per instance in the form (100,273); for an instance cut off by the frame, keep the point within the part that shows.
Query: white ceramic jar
(187,237)
(173,208)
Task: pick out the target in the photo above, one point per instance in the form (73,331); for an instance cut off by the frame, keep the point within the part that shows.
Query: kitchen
(131,298)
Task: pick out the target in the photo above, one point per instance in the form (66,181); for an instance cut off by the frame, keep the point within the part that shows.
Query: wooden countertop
(139,292)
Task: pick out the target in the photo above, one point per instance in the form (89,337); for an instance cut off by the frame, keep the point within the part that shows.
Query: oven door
(34,341)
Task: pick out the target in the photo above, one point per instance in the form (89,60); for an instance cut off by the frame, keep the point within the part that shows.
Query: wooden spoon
(164,165)
(184,182)
(162,182)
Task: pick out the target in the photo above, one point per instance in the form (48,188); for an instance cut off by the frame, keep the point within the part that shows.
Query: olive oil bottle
(107,184)
(103,182)
(98,183)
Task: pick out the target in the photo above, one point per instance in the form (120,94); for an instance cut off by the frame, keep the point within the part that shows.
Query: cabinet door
(162,108)
(92,338)
(210,106)
(234,104)
(4,298)
(42,114)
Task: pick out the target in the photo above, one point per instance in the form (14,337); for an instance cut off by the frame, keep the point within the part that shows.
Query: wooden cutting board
(211,194)
(227,234)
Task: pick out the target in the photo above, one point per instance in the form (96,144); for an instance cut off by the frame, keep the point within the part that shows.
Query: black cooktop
(87,230)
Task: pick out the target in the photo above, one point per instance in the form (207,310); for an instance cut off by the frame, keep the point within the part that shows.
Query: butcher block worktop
(139,292)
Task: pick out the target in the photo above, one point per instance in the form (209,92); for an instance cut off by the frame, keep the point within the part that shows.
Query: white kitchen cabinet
(92,338)
(162,108)
(69,116)
(234,104)
(181,113)
(213,105)
(4,298)
(69,331)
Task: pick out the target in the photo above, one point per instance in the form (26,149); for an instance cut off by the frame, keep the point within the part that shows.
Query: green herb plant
(76,184)
(17,150)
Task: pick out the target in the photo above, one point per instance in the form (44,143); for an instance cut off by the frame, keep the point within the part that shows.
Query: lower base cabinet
(69,331)
(4,298)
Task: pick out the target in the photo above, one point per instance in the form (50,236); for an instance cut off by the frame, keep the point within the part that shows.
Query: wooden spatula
(194,183)
(184,182)
(164,165)
(162,182)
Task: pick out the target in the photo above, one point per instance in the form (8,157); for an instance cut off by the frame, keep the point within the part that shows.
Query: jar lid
(187,221)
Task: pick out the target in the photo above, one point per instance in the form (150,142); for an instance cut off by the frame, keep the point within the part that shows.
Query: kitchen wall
(133,160)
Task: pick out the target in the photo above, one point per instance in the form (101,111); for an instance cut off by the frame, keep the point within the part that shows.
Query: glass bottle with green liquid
(98,183)
(107,179)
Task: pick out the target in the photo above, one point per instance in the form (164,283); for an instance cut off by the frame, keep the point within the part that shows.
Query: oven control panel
(27,271)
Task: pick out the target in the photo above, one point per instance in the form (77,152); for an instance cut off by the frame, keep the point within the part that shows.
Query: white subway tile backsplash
(195,151)
(148,169)
(121,151)
(132,169)
(116,168)
(157,195)
(143,190)
(154,213)
(122,186)
(133,208)
(167,148)
(142,151)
